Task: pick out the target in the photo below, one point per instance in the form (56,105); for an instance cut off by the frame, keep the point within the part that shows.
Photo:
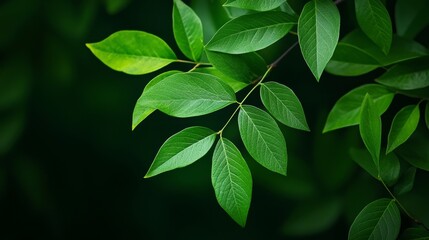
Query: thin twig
(274,64)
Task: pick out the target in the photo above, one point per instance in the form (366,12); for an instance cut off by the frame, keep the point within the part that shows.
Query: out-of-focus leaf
(115,6)
(411,17)
(416,150)
(415,234)
(406,182)
(11,128)
(15,75)
(427,115)
(403,125)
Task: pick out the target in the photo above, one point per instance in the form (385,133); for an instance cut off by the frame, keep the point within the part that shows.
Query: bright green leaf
(318,33)
(373,18)
(415,234)
(252,32)
(263,138)
(380,219)
(415,150)
(409,75)
(242,67)
(234,84)
(370,128)
(257,5)
(404,124)
(406,182)
(232,181)
(346,111)
(188,95)
(427,114)
(141,111)
(188,30)
(182,149)
(133,52)
(284,105)
(411,17)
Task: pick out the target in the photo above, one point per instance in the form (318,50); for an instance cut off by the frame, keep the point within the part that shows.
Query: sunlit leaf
(403,125)
(373,18)
(407,75)
(257,5)
(263,138)
(370,128)
(406,182)
(133,52)
(188,30)
(318,33)
(188,95)
(141,111)
(411,17)
(232,181)
(380,219)
(346,111)
(284,105)
(252,32)
(182,149)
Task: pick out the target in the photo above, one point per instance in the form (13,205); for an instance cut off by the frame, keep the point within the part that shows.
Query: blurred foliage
(70,166)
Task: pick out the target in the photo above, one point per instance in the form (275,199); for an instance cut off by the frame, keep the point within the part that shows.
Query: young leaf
(182,149)
(406,182)
(380,219)
(133,52)
(234,84)
(373,18)
(232,181)
(346,111)
(242,67)
(284,105)
(141,111)
(404,124)
(252,32)
(407,75)
(188,30)
(411,17)
(427,114)
(415,234)
(189,94)
(370,128)
(263,138)
(258,5)
(318,33)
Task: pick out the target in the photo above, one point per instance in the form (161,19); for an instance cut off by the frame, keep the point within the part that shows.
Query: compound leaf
(318,33)
(258,5)
(404,124)
(346,111)
(188,30)
(189,94)
(370,128)
(249,33)
(133,52)
(373,18)
(263,138)
(232,181)
(380,219)
(284,105)
(182,149)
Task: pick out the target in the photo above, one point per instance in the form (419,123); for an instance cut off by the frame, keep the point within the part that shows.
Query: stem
(195,67)
(402,207)
(274,64)
(191,62)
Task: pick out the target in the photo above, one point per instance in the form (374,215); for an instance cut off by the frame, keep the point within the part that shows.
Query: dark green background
(71,168)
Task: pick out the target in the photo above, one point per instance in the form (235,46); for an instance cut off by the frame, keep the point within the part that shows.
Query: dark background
(71,168)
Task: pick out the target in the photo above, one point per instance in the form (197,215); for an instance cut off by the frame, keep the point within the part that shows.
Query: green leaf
(284,105)
(373,18)
(188,30)
(234,84)
(411,17)
(380,219)
(406,182)
(415,234)
(389,168)
(252,32)
(182,149)
(364,160)
(242,67)
(415,150)
(263,138)
(409,75)
(404,124)
(115,6)
(318,33)
(427,114)
(232,181)
(346,111)
(141,111)
(133,52)
(257,5)
(188,94)
(370,128)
